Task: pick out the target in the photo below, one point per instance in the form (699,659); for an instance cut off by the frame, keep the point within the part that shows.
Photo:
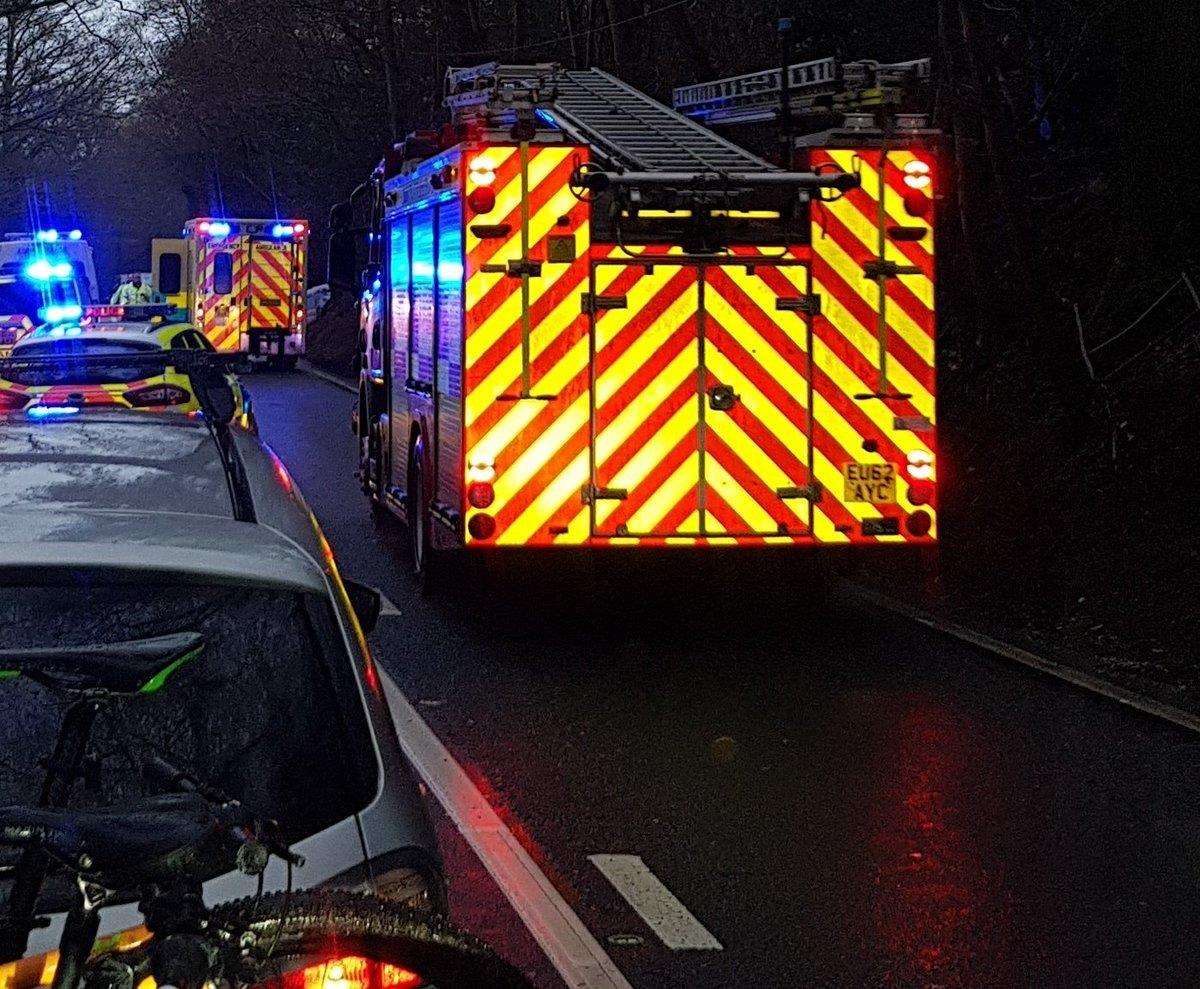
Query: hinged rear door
(272,284)
(701,400)
(756,421)
(645,412)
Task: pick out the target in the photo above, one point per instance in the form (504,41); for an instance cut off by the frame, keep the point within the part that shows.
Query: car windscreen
(268,712)
(80,361)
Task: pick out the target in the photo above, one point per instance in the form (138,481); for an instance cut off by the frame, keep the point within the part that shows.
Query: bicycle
(158,851)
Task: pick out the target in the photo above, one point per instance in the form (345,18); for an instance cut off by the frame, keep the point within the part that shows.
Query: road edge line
(567,943)
(308,368)
(1068,674)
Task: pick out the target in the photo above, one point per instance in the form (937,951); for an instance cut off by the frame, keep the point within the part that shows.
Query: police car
(103,359)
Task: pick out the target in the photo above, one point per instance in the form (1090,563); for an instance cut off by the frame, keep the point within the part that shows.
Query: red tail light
(351,972)
(481,200)
(481,495)
(157,395)
(919,523)
(920,492)
(482,526)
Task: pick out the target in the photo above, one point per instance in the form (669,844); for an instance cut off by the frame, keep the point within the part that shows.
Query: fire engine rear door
(271,284)
(756,423)
(645,412)
(701,397)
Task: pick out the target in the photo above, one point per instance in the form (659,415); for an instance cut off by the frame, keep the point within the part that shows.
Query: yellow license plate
(873,484)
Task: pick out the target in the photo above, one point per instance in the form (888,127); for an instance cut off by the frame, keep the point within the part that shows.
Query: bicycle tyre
(339,923)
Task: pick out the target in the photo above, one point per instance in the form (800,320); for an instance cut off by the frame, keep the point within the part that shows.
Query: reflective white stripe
(674,923)
(567,943)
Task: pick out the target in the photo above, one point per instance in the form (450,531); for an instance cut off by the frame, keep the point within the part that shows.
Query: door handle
(722,398)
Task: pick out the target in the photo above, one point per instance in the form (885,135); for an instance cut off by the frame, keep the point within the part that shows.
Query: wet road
(839,796)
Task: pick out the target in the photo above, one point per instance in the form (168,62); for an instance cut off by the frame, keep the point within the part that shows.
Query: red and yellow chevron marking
(272,284)
(222,318)
(709,407)
(868,343)
(533,442)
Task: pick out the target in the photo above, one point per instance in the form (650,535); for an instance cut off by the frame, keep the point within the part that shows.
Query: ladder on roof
(820,86)
(640,133)
(623,124)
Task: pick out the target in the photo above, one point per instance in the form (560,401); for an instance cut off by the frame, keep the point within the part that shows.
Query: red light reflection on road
(941,912)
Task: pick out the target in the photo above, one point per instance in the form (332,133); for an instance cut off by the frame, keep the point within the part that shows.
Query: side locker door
(399,319)
(645,417)
(757,399)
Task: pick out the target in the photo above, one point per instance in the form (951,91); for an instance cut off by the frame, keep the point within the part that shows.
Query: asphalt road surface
(838,796)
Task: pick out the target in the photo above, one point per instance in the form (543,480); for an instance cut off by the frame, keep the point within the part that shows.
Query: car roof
(161,333)
(133,490)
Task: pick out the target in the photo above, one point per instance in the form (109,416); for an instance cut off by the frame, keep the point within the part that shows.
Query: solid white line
(674,923)
(1069,674)
(567,943)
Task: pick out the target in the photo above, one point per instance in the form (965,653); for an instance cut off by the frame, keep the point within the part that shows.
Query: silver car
(124,527)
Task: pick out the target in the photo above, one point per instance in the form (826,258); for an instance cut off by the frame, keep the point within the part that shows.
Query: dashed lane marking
(567,943)
(675,925)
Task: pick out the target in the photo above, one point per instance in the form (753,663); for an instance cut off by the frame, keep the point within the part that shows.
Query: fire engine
(589,319)
(45,275)
(242,280)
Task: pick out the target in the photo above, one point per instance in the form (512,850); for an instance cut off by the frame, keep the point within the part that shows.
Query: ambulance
(45,276)
(242,281)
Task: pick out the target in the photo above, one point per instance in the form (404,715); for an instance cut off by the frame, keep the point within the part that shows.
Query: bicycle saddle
(120,667)
(172,836)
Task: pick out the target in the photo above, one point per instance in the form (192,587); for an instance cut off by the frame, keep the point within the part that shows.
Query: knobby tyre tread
(335,923)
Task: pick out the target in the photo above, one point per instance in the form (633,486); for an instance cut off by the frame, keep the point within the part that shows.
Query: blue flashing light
(218,228)
(545,116)
(60,314)
(74,331)
(47,236)
(75,235)
(46,411)
(376,285)
(44,270)
(282,230)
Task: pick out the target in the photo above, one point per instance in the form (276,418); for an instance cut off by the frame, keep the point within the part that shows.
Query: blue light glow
(45,411)
(450,271)
(219,228)
(47,236)
(282,230)
(545,116)
(60,314)
(75,235)
(43,270)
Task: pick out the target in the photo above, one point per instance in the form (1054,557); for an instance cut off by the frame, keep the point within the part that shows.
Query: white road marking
(1076,678)
(674,923)
(386,605)
(567,943)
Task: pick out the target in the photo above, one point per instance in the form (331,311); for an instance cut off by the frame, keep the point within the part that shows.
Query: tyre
(293,930)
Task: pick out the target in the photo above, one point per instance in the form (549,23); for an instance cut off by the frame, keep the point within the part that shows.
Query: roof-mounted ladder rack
(820,86)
